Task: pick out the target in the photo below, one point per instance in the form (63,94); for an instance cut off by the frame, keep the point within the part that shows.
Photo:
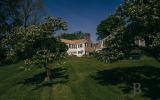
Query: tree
(74,35)
(16,14)
(8,16)
(112,30)
(31,12)
(154,47)
(156,41)
(37,44)
(8,19)
(133,18)
(142,18)
(109,25)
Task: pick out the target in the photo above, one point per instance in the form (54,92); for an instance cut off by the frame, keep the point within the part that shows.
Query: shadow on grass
(58,75)
(147,76)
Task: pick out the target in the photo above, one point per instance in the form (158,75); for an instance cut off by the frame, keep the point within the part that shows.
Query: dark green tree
(31,12)
(137,18)
(18,13)
(8,19)
(74,36)
(109,26)
(142,18)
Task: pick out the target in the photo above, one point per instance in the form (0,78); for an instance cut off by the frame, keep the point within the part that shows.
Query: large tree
(31,12)
(142,18)
(8,19)
(137,18)
(18,13)
(8,16)
(37,44)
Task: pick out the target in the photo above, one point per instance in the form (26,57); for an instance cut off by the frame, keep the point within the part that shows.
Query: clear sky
(82,15)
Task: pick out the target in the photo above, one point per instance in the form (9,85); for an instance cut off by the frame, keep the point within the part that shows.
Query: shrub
(109,56)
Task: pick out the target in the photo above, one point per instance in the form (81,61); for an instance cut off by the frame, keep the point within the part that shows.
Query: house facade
(79,47)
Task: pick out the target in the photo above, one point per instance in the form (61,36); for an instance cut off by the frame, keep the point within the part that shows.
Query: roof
(74,41)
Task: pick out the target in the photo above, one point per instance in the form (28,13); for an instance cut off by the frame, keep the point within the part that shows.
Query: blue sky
(82,15)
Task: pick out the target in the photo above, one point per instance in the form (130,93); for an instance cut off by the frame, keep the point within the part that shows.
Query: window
(80,52)
(80,45)
(85,44)
(70,45)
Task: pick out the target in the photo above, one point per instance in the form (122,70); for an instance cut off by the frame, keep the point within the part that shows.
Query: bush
(155,52)
(109,56)
(136,54)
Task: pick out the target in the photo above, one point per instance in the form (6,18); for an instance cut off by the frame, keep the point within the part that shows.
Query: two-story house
(77,47)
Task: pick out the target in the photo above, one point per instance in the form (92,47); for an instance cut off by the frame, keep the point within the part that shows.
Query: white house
(76,47)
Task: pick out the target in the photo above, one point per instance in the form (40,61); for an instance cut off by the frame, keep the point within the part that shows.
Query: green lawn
(83,79)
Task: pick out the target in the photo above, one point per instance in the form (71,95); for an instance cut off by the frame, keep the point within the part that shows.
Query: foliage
(74,36)
(155,40)
(142,18)
(109,56)
(109,25)
(8,11)
(16,14)
(111,30)
(114,31)
(154,48)
(37,43)
(137,18)
(31,12)
(2,54)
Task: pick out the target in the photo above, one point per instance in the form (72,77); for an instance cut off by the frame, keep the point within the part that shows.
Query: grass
(83,79)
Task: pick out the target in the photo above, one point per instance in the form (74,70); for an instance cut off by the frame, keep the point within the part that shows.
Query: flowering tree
(133,18)
(155,45)
(36,44)
(156,41)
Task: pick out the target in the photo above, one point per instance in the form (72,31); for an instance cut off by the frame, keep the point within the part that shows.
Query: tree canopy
(132,19)
(18,13)
(36,44)
(109,26)
(75,35)
(138,17)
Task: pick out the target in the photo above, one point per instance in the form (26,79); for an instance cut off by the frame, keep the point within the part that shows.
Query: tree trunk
(48,74)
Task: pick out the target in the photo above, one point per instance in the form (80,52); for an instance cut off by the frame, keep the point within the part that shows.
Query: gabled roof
(74,41)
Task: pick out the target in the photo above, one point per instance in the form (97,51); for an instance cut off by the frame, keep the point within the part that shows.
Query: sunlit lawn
(83,79)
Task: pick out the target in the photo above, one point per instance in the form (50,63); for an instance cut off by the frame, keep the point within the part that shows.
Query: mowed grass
(83,79)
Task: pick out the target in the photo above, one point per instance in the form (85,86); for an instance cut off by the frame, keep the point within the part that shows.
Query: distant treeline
(75,35)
